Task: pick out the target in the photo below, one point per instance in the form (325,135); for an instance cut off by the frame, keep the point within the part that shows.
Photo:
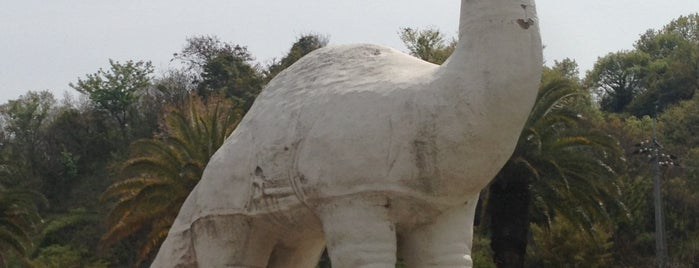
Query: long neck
(498,59)
(477,13)
(495,34)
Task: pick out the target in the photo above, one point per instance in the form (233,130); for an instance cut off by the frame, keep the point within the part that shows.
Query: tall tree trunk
(508,209)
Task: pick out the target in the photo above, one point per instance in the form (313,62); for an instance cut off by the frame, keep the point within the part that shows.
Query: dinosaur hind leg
(299,252)
(444,243)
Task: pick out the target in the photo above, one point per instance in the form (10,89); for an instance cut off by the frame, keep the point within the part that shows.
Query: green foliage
(19,219)
(680,123)
(567,68)
(671,77)
(685,26)
(78,144)
(64,151)
(74,228)
(669,81)
(201,49)
(24,127)
(633,225)
(234,75)
(579,208)
(660,72)
(563,244)
(57,256)
(304,45)
(662,43)
(569,163)
(681,212)
(160,172)
(70,164)
(481,254)
(24,118)
(174,87)
(217,67)
(634,243)
(116,90)
(561,167)
(428,44)
(681,192)
(617,79)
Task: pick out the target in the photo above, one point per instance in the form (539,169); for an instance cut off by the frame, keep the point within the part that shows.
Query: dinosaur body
(356,145)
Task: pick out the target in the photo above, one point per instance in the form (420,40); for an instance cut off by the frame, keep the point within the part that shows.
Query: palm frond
(13,242)
(129,187)
(162,171)
(19,217)
(154,238)
(570,166)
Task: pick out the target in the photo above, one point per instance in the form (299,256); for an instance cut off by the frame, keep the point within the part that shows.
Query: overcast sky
(44,45)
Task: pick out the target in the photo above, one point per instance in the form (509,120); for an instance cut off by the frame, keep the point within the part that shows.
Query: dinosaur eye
(525,24)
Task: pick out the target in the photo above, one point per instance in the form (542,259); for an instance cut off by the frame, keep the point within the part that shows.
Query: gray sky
(48,44)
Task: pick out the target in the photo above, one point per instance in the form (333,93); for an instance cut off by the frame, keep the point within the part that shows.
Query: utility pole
(653,150)
(660,240)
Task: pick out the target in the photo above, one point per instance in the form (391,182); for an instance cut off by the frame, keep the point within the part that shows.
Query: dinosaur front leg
(359,233)
(444,243)
(232,241)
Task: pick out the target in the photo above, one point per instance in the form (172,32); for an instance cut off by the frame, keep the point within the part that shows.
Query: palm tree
(19,208)
(161,171)
(560,166)
(19,217)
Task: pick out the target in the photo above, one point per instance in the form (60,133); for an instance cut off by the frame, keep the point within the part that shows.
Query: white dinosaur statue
(369,151)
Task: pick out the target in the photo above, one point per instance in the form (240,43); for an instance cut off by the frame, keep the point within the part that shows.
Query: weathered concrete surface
(368,150)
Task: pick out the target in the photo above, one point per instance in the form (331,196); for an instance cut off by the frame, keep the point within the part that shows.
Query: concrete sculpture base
(368,151)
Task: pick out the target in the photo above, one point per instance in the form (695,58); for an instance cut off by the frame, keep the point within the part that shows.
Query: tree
(660,72)
(161,171)
(25,123)
(201,49)
(116,90)
(232,74)
(568,68)
(671,77)
(681,198)
(174,87)
(680,124)
(661,43)
(304,45)
(685,26)
(25,118)
(563,245)
(429,44)
(560,167)
(617,79)
(217,67)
